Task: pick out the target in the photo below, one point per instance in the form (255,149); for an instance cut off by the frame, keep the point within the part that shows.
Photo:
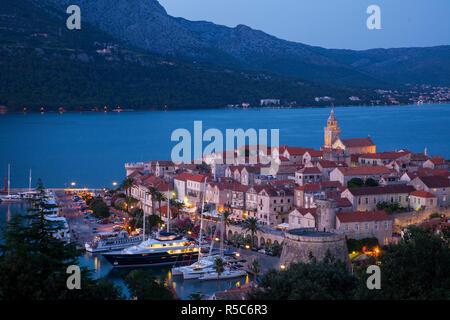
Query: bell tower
(331,132)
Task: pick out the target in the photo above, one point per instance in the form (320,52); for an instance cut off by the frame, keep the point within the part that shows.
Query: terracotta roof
(198,177)
(393,189)
(343,202)
(304,211)
(358,142)
(387,155)
(298,150)
(360,216)
(184,176)
(422,194)
(438,161)
(418,157)
(365,170)
(331,164)
(310,170)
(315,153)
(435,181)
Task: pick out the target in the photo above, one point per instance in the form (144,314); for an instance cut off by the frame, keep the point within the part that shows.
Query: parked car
(271,253)
(262,251)
(254,249)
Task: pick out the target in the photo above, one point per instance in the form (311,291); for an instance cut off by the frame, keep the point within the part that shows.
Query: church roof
(358,142)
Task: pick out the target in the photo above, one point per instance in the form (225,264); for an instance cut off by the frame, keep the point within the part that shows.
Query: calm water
(102,268)
(91,148)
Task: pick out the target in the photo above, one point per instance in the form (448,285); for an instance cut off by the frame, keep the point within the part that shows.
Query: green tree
(251,225)
(415,268)
(33,263)
(219,266)
(325,280)
(143,285)
(255,268)
(160,197)
(152,193)
(370,182)
(126,185)
(355,183)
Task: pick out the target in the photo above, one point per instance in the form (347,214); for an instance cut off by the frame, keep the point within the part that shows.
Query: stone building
(370,224)
(366,199)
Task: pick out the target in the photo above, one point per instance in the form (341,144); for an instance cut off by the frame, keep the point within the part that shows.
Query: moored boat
(110,241)
(166,249)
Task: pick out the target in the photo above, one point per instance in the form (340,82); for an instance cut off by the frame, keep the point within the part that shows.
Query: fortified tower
(331,132)
(300,244)
(326,215)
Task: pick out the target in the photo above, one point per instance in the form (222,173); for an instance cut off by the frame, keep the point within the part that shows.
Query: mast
(168,210)
(143,218)
(201,217)
(9,182)
(29,184)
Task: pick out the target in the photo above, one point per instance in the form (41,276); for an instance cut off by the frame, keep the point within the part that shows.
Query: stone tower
(331,132)
(326,215)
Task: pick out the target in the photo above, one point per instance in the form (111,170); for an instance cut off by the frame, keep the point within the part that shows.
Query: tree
(370,182)
(325,280)
(126,185)
(196,296)
(226,221)
(143,285)
(252,225)
(415,268)
(152,192)
(219,266)
(99,208)
(33,263)
(355,183)
(160,197)
(255,267)
(175,207)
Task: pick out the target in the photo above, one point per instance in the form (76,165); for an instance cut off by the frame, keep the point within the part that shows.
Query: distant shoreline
(217,108)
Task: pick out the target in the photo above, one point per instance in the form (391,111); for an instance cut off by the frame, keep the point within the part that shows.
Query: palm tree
(219,266)
(160,197)
(226,221)
(175,207)
(252,225)
(255,268)
(152,193)
(126,185)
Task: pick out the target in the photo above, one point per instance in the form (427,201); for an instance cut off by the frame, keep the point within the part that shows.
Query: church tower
(331,132)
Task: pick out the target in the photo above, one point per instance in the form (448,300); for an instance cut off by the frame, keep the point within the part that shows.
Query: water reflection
(102,268)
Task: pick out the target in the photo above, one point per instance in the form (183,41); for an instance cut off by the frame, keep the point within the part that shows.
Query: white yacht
(227,274)
(109,241)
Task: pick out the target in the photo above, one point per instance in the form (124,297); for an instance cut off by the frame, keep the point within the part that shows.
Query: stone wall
(297,247)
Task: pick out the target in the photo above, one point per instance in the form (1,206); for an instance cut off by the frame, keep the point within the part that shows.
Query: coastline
(221,108)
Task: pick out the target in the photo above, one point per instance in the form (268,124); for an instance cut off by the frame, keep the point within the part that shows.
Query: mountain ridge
(146,24)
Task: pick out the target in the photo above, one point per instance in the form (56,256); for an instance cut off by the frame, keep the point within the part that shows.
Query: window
(366,226)
(346,227)
(385,225)
(356,227)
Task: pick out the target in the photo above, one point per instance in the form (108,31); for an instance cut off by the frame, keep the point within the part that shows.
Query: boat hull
(153,259)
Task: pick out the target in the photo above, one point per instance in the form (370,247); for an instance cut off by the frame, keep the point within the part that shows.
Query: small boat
(109,241)
(11,198)
(227,274)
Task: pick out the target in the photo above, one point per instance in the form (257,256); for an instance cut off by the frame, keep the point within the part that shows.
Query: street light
(114,183)
(72,184)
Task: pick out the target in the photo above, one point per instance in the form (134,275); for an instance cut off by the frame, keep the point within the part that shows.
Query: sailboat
(10,197)
(204,269)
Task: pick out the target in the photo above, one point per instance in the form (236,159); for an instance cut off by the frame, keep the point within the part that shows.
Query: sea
(90,149)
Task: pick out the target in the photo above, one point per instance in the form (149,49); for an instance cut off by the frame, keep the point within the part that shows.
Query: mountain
(43,64)
(146,24)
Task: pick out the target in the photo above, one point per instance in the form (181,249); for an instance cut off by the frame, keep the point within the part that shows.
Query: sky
(329,23)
